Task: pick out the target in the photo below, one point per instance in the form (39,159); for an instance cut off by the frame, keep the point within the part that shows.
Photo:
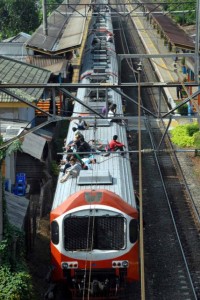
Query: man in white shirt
(73,171)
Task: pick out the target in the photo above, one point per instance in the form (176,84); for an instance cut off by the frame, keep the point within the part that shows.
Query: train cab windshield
(89,233)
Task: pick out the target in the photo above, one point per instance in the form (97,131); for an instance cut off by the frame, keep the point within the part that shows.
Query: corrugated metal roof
(16,50)
(65,31)
(173,32)
(176,35)
(21,37)
(73,33)
(10,129)
(16,208)
(119,166)
(34,145)
(54,64)
(14,71)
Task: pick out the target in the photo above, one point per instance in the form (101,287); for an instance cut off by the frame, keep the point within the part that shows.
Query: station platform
(76,61)
(168,69)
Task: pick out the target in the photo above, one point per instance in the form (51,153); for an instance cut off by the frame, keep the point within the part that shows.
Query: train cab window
(55,232)
(86,233)
(133,230)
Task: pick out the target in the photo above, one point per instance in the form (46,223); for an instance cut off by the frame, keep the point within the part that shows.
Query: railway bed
(166,274)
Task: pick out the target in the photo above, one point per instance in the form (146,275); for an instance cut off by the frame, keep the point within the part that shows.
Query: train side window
(55,232)
(133,230)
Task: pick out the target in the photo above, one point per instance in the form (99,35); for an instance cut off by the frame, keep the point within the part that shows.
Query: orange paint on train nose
(90,197)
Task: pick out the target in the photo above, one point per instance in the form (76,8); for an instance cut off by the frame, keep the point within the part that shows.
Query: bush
(55,168)
(192,128)
(183,110)
(184,135)
(14,285)
(15,281)
(197,139)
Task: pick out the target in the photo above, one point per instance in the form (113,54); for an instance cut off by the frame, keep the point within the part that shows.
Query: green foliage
(54,168)
(63,129)
(184,135)
(183,18)
(183,110)
(15,146)
(15,281)
(51,6)
(197,140)
(183,61)
(14,285)
(17,16)
(192,128)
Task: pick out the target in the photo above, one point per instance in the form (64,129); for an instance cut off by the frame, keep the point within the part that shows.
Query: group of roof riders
(96,43)
(80,153)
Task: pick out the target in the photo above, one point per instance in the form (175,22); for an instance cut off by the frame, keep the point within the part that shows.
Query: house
(18,104)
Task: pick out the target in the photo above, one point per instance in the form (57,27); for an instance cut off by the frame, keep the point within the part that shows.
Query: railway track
(171,234)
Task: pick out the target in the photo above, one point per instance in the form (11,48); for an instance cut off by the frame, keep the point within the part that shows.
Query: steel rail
(171,212)
(139,108)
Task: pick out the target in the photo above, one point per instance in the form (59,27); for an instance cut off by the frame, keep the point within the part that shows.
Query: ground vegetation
(22,16)
(186,135)
(17,16)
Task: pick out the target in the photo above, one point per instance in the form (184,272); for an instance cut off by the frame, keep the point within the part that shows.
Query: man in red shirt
(114,145)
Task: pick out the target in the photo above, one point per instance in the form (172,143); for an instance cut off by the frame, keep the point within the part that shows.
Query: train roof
(112,173)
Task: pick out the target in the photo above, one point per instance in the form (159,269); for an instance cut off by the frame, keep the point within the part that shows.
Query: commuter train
(94,217)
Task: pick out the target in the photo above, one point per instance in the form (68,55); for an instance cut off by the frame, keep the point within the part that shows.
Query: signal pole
(44,10)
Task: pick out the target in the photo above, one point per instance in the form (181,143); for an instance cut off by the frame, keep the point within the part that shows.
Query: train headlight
(125,264)
(69,265)
(64,265)
(120,264)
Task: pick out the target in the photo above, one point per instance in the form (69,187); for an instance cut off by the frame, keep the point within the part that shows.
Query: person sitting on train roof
(68,148)
(73,145)
(109,37)
(84,147)
(66,163)
(112,114)
(106,108)
(88,162)
(81,125)
(77,132)
(96,145)
(114,145)
(73,171)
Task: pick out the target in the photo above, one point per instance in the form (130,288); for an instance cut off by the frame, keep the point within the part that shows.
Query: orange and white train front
(94,236)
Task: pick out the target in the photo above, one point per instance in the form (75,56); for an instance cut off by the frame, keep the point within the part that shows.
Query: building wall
(15,113)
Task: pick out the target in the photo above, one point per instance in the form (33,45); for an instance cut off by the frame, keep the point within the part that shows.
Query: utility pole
(45,24)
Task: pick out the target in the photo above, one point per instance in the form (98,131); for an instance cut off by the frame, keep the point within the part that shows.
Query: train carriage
(94,218)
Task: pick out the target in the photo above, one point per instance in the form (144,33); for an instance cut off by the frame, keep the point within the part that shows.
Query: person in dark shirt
(179,92)
(83,147)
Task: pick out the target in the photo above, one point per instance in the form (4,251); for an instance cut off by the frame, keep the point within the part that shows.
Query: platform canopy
(65,30)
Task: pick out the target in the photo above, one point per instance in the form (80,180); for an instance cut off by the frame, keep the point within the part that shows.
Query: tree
(17,16)
(51,5)
(183,18)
